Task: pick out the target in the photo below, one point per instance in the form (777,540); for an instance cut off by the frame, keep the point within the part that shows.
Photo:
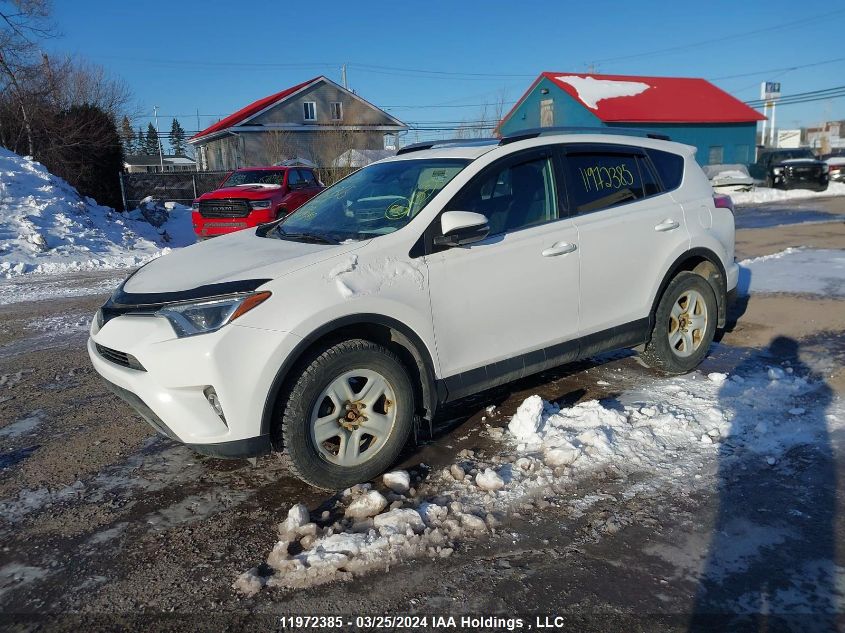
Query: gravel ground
(102,520)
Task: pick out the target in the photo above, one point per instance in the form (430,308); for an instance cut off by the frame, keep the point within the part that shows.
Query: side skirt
(510,369)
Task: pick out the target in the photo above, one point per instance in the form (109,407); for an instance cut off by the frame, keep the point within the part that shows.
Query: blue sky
(216,57)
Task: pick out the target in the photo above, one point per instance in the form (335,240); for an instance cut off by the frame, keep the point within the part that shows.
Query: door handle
(667,225)
(559,248)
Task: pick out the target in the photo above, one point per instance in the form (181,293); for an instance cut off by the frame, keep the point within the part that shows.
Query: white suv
(440,272)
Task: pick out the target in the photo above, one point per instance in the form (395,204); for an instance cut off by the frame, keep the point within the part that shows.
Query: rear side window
(669,166)
(598,180)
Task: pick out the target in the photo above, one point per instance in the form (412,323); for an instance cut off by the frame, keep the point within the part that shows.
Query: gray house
(317,120)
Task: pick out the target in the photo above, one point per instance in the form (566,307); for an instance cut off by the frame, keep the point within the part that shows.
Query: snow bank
(669,429)
(795,270)
(47,227)
(763,194)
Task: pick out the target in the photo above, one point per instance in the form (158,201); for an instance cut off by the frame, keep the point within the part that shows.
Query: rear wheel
(347,416)
(684,325)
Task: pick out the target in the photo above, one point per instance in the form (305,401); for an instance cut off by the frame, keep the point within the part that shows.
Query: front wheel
(684,325)
(348,415)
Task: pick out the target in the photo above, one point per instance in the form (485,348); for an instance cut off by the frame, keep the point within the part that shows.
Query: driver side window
(513,197)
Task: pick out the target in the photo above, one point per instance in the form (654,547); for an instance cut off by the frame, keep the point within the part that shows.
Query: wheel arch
(387,331)
(708,265)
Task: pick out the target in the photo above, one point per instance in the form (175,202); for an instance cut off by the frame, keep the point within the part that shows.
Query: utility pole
(158,139)
(343,77)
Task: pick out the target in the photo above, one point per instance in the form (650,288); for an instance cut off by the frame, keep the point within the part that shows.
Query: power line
(802,97)
(724,38)
(785,68)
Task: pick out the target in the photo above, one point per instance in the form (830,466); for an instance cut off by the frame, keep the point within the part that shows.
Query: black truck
(790,169)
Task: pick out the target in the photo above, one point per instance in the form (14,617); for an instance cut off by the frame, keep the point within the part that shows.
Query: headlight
(195,206)
(259,204)
(200,317)
(777,171)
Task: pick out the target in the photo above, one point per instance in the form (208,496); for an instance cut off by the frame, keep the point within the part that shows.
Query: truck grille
(803,171)
(119,358)
(224,208)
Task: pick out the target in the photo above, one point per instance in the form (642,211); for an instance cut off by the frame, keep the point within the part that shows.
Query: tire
(335,389)
(673,348)
(770,182)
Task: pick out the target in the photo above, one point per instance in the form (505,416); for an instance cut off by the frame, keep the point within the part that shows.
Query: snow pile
(591,91)
(795,270)
(47,227)
(764,194)
(670,429)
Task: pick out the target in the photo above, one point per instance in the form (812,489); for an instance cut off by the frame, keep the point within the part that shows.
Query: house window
(741,154)
(547,113)
(337,111)
(310,110)
(716,155)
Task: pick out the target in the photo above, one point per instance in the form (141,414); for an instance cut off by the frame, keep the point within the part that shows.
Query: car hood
(239,256)
(249,192)
(800,161)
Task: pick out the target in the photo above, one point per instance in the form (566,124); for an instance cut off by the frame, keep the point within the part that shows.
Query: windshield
(796,153)
(375,200)
(255,177)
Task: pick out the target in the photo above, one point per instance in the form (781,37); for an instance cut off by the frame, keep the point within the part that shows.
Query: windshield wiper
(305,237)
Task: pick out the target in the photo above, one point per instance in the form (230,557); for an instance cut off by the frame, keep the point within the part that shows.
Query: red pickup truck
(251,196)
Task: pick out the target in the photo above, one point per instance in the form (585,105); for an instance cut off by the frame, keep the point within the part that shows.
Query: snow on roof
(637,99)
(153,159)
(361,157)
(591,90)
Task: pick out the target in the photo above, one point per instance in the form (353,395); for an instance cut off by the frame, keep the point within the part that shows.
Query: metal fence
(186,186)
(182,187)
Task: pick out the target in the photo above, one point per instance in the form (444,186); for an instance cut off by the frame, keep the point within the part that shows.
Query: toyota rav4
(440,272)
(252,196)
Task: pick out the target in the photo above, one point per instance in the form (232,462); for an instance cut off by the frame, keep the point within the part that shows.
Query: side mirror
(460,228)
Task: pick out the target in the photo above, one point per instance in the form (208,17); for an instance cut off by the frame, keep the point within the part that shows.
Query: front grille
(224,208)
(804,171)
(119,358)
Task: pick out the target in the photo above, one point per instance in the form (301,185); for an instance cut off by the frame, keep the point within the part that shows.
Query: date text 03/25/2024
(422,622)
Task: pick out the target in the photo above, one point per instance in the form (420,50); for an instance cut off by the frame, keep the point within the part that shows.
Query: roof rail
(465,142)
(544,131)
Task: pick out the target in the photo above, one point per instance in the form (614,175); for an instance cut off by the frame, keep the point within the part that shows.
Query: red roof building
(688,110)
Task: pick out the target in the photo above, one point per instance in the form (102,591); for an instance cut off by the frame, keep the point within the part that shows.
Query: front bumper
(205,228)
(239,363)
(814,184)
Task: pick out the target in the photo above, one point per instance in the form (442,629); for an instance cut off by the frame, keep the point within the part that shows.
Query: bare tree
(278,146)
(488,117)
(22,23)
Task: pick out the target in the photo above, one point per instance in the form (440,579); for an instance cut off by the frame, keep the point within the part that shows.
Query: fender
(412,342)
(678,265)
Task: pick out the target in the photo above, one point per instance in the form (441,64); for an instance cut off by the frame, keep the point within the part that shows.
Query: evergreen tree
(141,143)
(151,143)
(177,138)
(127,136)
